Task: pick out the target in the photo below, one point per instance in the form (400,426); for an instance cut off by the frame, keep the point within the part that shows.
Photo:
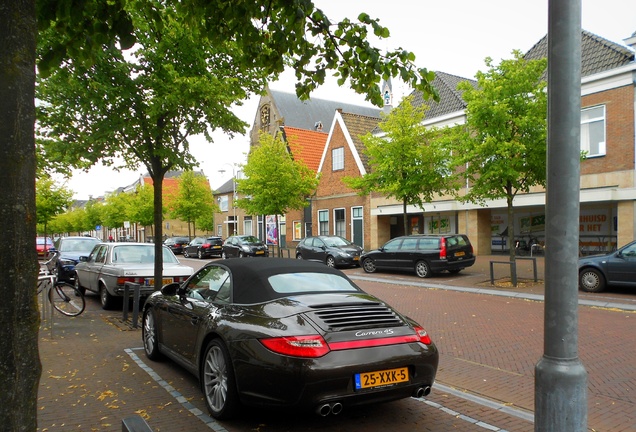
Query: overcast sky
(449,36)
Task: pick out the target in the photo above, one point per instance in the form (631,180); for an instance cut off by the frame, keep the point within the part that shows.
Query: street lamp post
(234,222)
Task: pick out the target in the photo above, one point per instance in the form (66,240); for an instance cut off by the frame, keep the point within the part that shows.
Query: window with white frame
(593,131)
(323,222)
(247,225)
(337,159)
(339,222)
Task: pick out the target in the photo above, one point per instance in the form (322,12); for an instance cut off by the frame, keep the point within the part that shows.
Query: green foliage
(409,163)
(114,211)
(50,201)
(193,201)
(267,35)
(140,205)
(503,144)
(275,183)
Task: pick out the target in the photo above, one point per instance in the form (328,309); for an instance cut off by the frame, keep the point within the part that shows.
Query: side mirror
(83,258)
(170,289)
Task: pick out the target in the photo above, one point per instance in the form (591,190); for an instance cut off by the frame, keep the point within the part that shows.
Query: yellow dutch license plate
(260,252)
(356,258)
(381,378)
(460,253)
(165,281)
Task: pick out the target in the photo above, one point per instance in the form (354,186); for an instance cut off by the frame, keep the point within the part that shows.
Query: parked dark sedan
(423,254)
(334,251)
(70,249)
(287,333)
(204,247)
(616,268)
(244,246)
(176,244)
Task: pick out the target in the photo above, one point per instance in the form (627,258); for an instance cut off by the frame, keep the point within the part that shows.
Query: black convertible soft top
(250,276)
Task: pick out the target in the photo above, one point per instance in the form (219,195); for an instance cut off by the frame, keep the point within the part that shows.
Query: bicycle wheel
(67,300)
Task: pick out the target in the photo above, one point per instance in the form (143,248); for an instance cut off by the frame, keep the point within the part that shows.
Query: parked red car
(43,245)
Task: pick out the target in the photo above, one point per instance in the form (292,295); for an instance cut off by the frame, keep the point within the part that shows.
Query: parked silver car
(110,265)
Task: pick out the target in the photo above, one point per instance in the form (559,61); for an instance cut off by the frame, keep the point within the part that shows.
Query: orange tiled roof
(306,145)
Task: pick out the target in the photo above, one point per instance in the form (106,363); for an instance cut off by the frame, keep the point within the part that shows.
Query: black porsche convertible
(282,332)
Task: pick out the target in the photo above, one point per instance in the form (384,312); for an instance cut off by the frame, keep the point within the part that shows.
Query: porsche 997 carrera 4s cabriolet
(287,333)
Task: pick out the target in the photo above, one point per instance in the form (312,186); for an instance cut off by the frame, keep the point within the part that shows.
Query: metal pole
(560,377)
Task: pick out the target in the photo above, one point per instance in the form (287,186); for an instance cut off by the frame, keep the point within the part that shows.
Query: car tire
(107,300)
(330,261)
(422,269)
(149,336)
(369,265)
(185,254)
(241,255)
(78,286)
(591,280)
(299,256)
(223,255)
(200,254)
(217,381)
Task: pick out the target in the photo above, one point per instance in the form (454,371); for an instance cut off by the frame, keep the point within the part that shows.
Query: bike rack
(135,424)
(47,312)
(513,269)
(135,312)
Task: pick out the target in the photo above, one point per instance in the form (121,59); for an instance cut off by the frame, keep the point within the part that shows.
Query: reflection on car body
(110,265)
(283,332)
(334,251)
(617,268)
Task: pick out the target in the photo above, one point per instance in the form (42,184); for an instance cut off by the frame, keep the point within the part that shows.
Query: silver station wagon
(110,265)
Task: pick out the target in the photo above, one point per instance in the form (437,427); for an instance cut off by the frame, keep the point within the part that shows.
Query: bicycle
(523,247)
(64,297)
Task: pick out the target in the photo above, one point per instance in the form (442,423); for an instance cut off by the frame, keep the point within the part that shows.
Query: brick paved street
(95,374)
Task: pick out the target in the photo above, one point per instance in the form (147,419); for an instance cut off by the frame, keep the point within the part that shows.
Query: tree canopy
(408,161)
(503,143)
(274,182)
(193,201)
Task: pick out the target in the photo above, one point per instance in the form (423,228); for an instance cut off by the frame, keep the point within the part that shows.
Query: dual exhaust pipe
(421,391)
(335,408)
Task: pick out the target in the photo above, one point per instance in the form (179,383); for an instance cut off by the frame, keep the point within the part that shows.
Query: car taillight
(442,251)
(298,346)
(123,280)
(422,335)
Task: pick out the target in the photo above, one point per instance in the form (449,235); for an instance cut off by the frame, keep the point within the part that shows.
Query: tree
(409,163)
(503,144)
(140,207)
(50,201)
(193,200)
(274,182)
(115,210)
(284,32)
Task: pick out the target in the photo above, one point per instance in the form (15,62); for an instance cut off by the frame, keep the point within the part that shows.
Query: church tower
(387,95)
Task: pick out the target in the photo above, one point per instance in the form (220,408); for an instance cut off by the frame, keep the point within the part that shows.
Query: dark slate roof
(305,114)
(597,54)
(227,187)
(450,99)
(359,125)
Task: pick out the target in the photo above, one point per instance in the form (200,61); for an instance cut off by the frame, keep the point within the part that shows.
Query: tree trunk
(157,184)
(511,228)
(20,366)
(405,217)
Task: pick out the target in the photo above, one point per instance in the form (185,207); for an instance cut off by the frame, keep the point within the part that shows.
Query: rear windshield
(77,245)
(300,283)
(141,254)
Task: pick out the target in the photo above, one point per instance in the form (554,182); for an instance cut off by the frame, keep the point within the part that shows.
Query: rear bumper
(442,265)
